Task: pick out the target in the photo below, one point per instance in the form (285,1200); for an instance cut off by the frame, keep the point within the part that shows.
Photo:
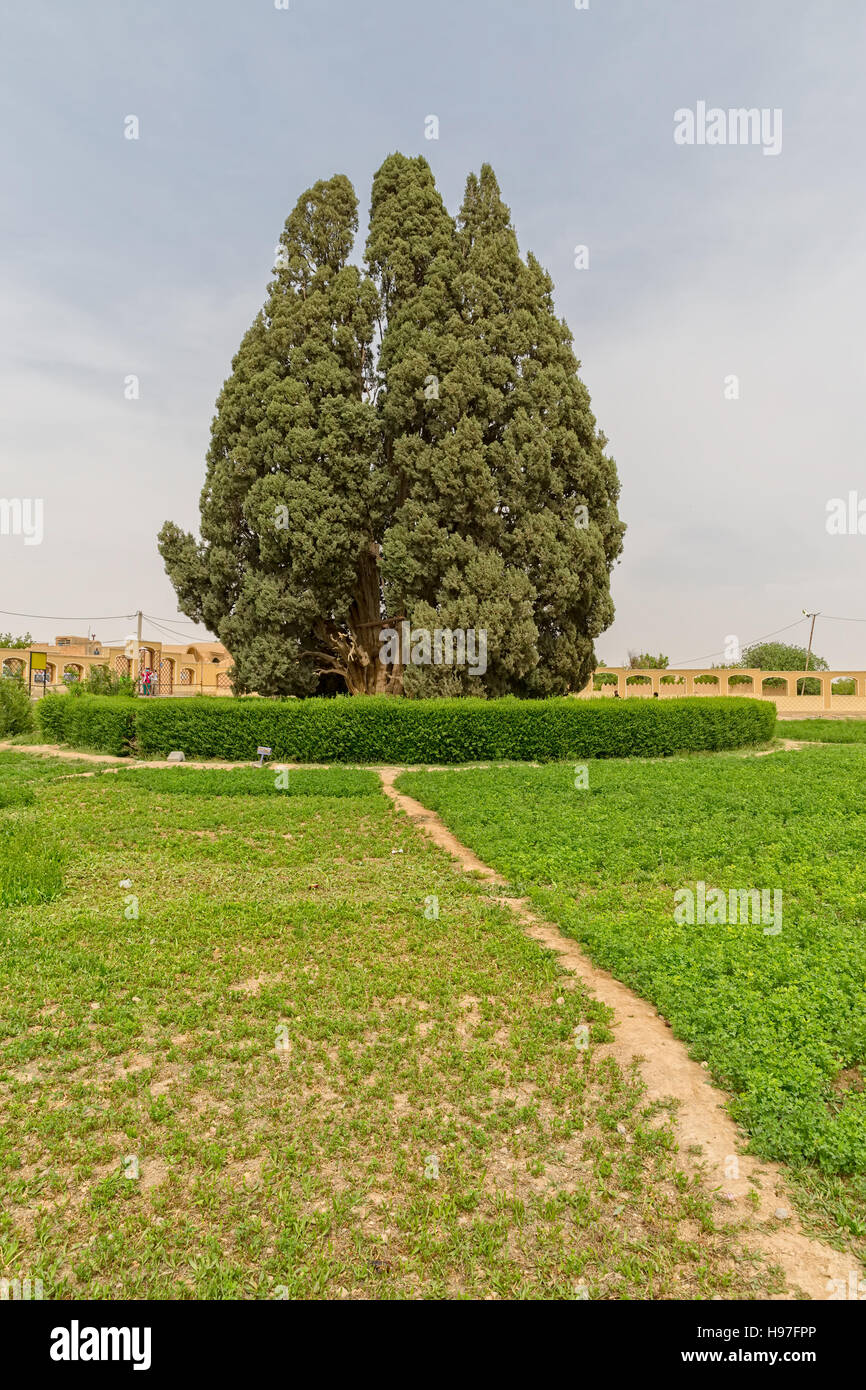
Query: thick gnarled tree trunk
(354,650)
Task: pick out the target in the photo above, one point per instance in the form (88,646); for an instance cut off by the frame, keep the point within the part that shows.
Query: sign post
(38,662)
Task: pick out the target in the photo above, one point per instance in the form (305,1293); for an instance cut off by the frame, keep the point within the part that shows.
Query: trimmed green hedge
(378,729)
(99,723)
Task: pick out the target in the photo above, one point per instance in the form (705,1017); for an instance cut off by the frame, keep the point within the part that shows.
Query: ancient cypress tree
(443,563)
(286,571)
(506,516)
(567,533)
(556,489)
(458,481)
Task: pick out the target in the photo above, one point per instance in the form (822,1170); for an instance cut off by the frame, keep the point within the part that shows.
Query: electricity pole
(139,616)
(813,616)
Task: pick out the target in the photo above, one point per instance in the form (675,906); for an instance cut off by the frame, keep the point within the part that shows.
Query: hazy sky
(151,256)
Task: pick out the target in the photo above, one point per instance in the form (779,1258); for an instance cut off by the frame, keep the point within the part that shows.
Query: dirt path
(55,750)
(668,1071)
(110,762)
(789,745)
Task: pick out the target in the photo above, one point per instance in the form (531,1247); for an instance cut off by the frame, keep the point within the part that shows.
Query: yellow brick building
(194,668)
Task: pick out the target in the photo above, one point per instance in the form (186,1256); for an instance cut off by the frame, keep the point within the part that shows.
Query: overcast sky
(706,261)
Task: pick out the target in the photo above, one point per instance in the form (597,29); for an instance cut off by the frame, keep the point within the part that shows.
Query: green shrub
(49,717)
(102,724)
(16,711)
(103,681)
(378,729)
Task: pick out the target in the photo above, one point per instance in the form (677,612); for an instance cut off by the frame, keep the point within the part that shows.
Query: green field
(823,730)
(780,1019)
(242,1057)
(249,781)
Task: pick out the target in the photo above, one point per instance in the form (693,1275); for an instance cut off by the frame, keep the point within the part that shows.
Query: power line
(165,622)
(190,641)
(159,627)
(172,622)
(700,659)
(64,618)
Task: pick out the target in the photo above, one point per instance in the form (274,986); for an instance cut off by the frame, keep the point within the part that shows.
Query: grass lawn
(241,1057)
(823,730)
(31,856)
(780,1019)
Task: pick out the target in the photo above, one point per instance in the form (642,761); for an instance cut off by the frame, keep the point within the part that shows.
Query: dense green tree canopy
(780,656)
(646,661)
(410,445)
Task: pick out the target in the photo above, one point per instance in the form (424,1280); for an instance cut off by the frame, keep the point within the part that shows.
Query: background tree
(638,660)
(781,656)
(7,640)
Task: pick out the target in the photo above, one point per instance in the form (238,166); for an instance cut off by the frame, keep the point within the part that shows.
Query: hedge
(16,714)
(99,723)
(378,729)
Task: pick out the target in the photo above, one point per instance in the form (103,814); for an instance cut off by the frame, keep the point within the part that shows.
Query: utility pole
(813,616)
(139,615)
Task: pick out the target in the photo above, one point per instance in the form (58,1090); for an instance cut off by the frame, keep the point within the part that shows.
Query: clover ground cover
(779,1019)
(237,1060)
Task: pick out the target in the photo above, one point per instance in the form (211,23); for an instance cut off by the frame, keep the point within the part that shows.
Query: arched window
(844,685)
